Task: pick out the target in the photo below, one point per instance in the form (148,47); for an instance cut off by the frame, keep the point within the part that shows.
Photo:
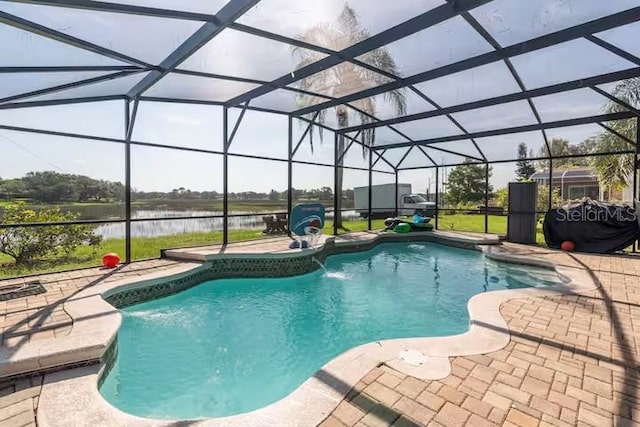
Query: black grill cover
(593,227)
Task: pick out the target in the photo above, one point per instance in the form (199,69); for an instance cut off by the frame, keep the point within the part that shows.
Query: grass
(149,247)
(497,224)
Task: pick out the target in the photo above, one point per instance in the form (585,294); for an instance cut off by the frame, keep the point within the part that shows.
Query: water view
(169,227)
(147,224)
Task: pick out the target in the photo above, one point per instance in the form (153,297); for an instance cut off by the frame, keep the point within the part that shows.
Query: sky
(239,54)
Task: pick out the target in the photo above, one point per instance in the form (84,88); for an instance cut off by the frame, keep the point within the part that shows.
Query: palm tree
(344,79)
(616,170)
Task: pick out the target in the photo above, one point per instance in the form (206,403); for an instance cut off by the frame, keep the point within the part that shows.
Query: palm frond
(627,91)
(347,78)
(615,170)
(319,119)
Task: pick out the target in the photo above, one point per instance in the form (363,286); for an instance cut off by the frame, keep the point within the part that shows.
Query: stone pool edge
(96,319)
(71,396)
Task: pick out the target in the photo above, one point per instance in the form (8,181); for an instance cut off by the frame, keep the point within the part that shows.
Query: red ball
(567,246)
(111,260)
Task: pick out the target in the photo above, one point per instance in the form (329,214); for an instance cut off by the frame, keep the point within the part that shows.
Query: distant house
(573,183)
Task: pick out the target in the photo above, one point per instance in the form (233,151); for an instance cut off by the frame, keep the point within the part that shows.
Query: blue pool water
(231,346)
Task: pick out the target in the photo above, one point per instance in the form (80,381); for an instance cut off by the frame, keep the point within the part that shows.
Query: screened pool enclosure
(195,118)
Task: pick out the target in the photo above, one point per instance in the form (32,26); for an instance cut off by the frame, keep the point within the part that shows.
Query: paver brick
(548,420)
(372,375)
(593,418)
(581,394)
(535,387)
(511,392)
(19,396)
(463,362)
(484,373)
(431,400)
(545,406)
(389,380)
(405,422)
(477,407)
(16,409)
(598,387)
(364,402)
(411,387)
(521,419)
(452,395)
(434,386)
(497,400)
(452,415)
(331,421)
(26,418)
(459,371)
(541,373)
(476,421)
(502,366)
(497,416)
(348,413)
(527,409)
(558,386)
(382,394)
(509,380)
(414,410)
(475,384)
(380,416)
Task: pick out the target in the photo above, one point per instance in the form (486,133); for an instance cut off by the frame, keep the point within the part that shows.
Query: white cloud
(182,120)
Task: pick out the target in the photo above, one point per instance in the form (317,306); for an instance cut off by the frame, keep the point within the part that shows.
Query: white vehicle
(383,201)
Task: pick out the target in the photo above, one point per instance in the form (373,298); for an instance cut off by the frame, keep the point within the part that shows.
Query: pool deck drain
(588,342)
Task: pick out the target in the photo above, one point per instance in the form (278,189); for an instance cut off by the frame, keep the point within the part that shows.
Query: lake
(182,226)
(252,219)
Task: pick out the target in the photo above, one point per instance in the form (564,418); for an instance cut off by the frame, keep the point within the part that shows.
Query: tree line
(50,187)
(466,182)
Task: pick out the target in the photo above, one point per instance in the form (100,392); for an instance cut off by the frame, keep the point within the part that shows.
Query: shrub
(502,197)
(25,244)
(468,206)
(542,203)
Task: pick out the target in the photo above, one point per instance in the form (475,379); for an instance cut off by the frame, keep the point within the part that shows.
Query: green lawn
(149,247)
(497,224)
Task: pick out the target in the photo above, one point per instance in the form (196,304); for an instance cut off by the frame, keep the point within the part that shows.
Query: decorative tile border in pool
(72,397)
(276,265)
(107,361)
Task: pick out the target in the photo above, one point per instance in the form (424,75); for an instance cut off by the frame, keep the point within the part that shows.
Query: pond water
(253,221)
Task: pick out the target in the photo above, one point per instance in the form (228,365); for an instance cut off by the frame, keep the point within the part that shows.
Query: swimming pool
(229,346)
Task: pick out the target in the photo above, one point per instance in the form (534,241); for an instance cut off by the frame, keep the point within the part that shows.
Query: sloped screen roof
(430,76)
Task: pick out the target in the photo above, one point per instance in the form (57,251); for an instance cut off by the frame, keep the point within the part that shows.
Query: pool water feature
(230,346)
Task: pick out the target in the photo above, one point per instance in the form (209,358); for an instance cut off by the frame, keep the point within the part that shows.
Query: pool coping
(72,395)
(96,322)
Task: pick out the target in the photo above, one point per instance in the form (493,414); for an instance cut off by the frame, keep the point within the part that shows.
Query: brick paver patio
(42,316)
(572,360)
